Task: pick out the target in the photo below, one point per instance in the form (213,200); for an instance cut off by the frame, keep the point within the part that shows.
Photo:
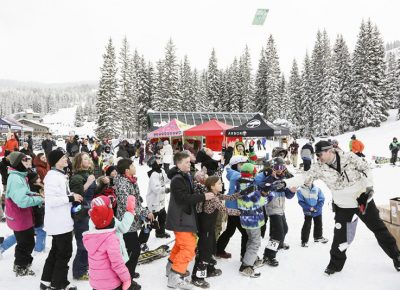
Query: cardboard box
(395,210)
(395,231)
(384,213)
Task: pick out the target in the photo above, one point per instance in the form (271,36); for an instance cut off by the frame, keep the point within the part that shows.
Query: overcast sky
(63,40)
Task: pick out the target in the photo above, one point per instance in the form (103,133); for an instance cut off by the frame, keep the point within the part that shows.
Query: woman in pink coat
(107,270)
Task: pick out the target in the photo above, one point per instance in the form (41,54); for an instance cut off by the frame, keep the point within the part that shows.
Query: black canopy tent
(257,127)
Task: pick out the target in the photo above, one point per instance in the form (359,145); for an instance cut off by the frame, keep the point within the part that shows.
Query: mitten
(126,285)
(131,204)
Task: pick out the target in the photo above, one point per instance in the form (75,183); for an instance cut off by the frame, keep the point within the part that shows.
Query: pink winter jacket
(107,269)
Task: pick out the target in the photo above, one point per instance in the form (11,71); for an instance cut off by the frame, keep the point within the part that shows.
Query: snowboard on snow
(152,255)
(382,160)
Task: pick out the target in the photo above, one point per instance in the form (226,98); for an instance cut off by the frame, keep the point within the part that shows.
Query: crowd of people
(89,193)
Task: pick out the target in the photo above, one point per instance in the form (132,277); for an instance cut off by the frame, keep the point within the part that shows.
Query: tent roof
(210,128)
(257,127)
(173,128)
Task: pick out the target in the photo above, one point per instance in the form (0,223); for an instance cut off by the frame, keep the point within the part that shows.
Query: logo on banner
(253,124)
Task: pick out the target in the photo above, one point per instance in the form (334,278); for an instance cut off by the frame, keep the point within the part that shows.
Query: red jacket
(11,145)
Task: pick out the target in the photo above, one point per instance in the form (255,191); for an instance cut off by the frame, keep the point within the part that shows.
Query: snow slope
(367,267)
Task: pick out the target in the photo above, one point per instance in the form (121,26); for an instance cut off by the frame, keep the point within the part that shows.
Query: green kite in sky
(261,15)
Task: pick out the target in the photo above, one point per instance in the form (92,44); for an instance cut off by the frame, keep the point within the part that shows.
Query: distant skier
(394,148)
(356,146)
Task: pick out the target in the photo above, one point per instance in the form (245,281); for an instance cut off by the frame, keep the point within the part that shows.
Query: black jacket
(47,145)
(182,216)
(4,170)
(207,162)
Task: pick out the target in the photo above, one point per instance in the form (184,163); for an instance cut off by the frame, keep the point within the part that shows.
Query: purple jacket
(107,269)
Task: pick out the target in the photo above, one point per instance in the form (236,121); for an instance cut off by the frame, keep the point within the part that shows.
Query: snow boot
(258,263)
(396,263)
(271,262)
(330,271)
(200,282)
(23,271)
(248,271)
(224,255)
(213,272)
(304,244)
(321,240)
(177,281)
(163,236)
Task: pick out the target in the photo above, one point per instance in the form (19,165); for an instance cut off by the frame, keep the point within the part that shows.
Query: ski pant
(252,247)
(307,164)
(258,147)
(183,251)
(232,225)
(293,159)
(40,243)
(305,231)
(133,248)
(161,217)
(23,249)
(80,264)
(374,223)
(55,269)
(277,232)
(264,227)
(394,157)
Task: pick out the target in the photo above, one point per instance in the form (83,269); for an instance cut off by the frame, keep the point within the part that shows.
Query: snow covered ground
(367,267)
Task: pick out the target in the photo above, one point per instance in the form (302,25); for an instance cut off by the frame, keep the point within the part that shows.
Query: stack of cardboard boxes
(391,217)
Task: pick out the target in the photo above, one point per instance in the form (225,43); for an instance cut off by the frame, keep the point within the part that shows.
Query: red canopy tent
(214,132)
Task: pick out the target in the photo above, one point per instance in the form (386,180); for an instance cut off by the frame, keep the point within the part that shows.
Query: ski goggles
(279,169)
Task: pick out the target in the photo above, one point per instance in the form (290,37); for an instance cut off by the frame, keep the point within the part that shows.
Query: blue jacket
(233,176)
(251,206)
(311,198)
(276,206)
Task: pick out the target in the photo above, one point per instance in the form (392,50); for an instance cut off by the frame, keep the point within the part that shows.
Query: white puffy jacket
(168,154)
(155,197)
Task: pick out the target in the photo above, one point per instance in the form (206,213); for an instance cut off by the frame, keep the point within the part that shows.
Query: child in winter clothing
(35,184)
(107,270)
(58,224)
(19,203)
(251,218)
(206,246)
(312,202)
(105,186)
(274,185)
(126,185)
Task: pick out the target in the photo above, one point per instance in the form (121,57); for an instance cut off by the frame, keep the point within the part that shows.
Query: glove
(364,198)
(270,196)
(279,185)
(131,204)
(126,285)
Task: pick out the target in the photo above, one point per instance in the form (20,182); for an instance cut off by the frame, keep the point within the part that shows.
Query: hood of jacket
(174,171)
(94,239)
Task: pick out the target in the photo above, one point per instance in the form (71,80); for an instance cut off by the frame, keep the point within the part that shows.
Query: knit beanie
(252,157)
(15,158)
(248,170)
(54,156)
(101,212)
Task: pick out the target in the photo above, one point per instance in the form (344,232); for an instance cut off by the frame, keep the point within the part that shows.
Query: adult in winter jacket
(350,181)
(73,146)
(126,185)
(294,152)
(58,223)
(30,142)
(25,149)
(12,143)
(356,146)
(311,202)
(41,165)
(155,197)
(182,219)
(84,184)
(48,144)
(394,149)
(307,155)
(232,175)
(4,164)
(19,214)
(167,155)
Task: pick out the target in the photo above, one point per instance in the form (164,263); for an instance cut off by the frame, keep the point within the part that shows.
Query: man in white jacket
(349,178)
(167,155)
(58,223)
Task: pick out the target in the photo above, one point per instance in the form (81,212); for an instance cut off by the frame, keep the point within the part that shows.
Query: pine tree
(213,94)
(107,95)
(235,93)
(78,116)
(126,90)
(185,85)
(284,109)
(391,82)
(307,95)
(272,81)
(246,82)
(197,97)
(398,88)
(159,103)
(143,99)
(202,103)
(172,96)
(260,85)
(342,71)
(294,97)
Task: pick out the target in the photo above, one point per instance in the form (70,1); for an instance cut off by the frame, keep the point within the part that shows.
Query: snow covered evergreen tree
(260,89)
(246,82)
(202,102)
(107,95)
(342,71)
(294,98)
(284,109)
(143,99)
(272,81)
(197,96)
(185,85)
(172,97)
(307,97)
(213,93)
(126,90)
(392,80)
(159,103)
(79,117)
